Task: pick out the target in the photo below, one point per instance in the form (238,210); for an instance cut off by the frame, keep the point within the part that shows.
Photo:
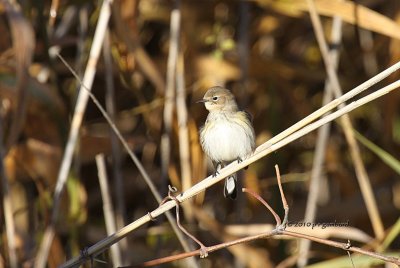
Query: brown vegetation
(158,58)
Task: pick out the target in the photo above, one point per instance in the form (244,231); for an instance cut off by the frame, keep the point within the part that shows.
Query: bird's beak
(202,101)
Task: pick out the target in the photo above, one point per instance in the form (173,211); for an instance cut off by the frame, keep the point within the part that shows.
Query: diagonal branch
(261,152)
(83,97)
(347,127)
(320,146)
(330,106)
(345,246)
(279,230)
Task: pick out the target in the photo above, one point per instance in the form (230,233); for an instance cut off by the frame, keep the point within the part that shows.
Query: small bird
(227,134)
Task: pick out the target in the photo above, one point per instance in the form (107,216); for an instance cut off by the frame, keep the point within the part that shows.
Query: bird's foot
(216,173)
(240,160)
(218,166)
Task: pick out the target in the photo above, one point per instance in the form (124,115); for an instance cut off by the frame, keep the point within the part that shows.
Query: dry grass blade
(347,127)
(7,205)
(24,43)
(262,201)
(320,148)
(228,170)
(366,18)
(183,133)
(80,107)
(135,160)
(330,106)
(169,96)
(126,24)
(279,230)
(108,209)
(263,52)
(53,12)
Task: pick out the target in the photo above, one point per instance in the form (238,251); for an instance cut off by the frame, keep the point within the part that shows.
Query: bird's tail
(230,187)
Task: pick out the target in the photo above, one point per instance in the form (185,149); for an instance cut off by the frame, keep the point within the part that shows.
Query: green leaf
(392,235)
(358,260)
(227,44)
(382,154)
(77,212)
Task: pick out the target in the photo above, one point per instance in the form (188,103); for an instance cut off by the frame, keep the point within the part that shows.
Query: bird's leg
(239,160)
(218,166)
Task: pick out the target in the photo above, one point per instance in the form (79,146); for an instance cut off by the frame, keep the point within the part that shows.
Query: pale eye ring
(215,98)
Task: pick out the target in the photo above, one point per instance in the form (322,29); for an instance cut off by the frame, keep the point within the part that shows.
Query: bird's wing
(246,115)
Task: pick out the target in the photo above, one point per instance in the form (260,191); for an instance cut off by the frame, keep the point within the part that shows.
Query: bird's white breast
(224,139)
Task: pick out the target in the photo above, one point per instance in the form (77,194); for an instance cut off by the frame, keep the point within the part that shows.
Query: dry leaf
(366,18)
(23,39)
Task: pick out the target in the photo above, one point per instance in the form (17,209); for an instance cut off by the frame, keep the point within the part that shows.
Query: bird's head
(219,99)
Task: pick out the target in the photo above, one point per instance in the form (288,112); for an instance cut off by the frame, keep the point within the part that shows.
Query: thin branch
(226,171)
(134,46)
(7,205)
(173,79)
(209,249)
(284,202)
(281,231)
(320,147)
(108,209)
(53,12)
(344,246)
(348,253)
(115,146)
(203,250)
(77,119)
(169,96)
(182,114)
(367,45)
(331,105)
(277,231)
(134,159)
(23,39)
(166,259)
(262,201)
(183,134)
(84,94)
(347,128)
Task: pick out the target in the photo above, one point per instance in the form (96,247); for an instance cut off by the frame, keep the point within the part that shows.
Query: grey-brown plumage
(227,134)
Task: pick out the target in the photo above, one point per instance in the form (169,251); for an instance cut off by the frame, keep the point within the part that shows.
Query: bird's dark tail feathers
(230,187)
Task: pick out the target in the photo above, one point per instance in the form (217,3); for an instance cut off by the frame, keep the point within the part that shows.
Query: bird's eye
(215,98)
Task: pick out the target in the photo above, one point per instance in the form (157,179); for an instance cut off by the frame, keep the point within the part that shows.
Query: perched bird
(227,134)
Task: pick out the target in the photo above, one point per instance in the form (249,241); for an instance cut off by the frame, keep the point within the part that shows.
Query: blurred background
(159,57)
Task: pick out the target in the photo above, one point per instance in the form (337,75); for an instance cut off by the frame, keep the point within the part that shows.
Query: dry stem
(267,148)
(279,230)
(361,173)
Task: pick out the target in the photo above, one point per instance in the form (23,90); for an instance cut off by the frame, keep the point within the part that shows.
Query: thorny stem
(298,130)
(345,246)
(203,249)
(262,201)
(279,224)
(284,202)
(279,230)
(209,249)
